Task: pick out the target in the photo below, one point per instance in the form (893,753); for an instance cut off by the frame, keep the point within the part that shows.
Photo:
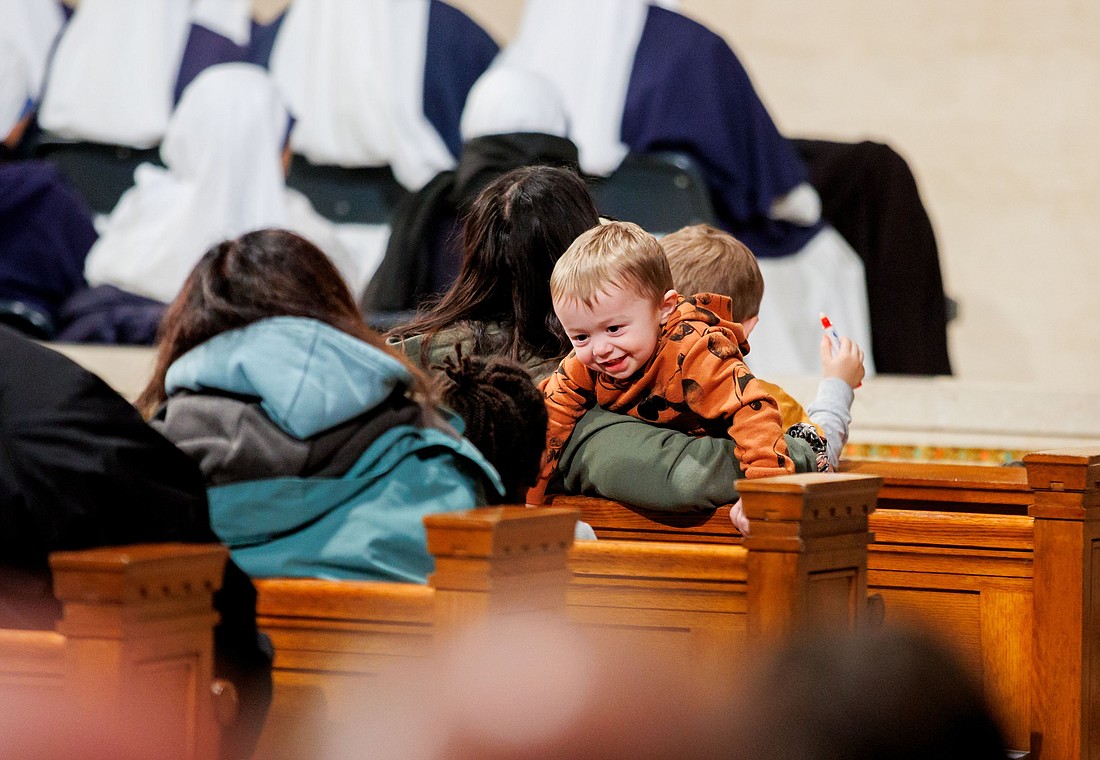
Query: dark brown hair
(515,230)
(268,273)
(504,412)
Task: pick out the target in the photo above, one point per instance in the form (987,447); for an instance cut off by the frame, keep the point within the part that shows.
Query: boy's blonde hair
(616,253)
(704,259)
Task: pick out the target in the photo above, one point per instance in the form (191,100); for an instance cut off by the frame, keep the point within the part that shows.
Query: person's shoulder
(683,35)
(432,349)
(34,371)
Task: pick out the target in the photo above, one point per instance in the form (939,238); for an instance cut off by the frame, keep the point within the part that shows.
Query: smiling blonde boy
(639,348)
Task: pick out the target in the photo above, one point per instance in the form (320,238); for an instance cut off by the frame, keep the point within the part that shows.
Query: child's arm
(842,371)
(568,393)
(718,385)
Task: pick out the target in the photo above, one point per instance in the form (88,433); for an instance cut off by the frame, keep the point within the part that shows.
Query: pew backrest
(130,667)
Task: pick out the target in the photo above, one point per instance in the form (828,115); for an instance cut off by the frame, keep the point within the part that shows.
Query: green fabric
(625,459)
(443,343)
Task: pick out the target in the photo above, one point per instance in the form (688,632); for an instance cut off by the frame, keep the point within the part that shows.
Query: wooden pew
(332,638)
(129,670)
(135,649)
(996,559)
(807,564)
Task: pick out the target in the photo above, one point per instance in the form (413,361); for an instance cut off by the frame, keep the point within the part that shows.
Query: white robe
(224,177)
(353,75)
(114,72)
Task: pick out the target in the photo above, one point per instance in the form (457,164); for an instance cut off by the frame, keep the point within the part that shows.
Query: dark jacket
(424,252)
(80,468)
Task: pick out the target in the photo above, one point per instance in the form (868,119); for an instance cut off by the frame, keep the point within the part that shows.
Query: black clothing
(424,253)
(80,468)
(869,195)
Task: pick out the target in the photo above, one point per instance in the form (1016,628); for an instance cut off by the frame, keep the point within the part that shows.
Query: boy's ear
(750,323)
(668,304)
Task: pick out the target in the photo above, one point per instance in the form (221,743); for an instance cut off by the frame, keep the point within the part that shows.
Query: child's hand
(737,516)
(846,363)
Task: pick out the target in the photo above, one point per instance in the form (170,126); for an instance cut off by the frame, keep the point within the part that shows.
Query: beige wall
(995,105)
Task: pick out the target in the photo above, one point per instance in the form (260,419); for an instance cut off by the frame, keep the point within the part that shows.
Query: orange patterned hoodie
(696,382)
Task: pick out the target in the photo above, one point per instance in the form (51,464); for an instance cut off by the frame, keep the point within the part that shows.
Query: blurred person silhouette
(513,117)
(495,692)
(666,82)
(45,226)
(224,174)
(80,468)
(895,693)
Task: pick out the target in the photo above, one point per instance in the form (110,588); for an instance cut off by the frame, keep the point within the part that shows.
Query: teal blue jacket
(277,415)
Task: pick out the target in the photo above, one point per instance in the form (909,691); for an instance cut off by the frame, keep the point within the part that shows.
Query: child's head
(612,291)
(505,416)
(704,259)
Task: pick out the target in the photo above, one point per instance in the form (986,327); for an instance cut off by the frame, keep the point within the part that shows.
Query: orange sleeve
(569,392)
(719,385)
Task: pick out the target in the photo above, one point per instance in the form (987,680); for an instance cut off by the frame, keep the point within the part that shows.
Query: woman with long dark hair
(321,450)
(516,229)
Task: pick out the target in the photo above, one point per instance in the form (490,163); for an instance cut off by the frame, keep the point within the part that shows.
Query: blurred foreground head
(889,694)
(543,689)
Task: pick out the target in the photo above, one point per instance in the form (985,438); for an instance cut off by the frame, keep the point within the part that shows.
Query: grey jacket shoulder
(228,436)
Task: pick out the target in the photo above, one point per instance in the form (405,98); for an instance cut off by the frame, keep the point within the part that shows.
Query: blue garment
(311,379)
(458,51)
(106,314)
(262,39)
(45,234)
(689,92)
(205,48)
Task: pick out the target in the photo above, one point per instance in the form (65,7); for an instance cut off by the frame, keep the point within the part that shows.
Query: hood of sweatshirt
(308,376)
(711,309)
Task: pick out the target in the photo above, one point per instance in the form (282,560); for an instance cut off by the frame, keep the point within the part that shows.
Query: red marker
(834,336)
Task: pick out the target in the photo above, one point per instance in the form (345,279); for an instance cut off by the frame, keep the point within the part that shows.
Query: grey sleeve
(832,412)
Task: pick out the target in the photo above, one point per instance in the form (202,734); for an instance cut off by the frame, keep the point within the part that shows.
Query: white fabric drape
(14,88)
(224,177)
(353,74)
(593,86)
(509,99)
(826,276)
(29,29)
(112,76)
(114,72)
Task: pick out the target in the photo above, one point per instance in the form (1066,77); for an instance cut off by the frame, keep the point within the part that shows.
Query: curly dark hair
(504,412)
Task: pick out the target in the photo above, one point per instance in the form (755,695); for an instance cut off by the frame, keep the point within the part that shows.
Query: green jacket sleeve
(623,458)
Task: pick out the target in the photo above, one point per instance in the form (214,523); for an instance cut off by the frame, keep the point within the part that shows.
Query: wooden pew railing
(140,617)
(998,560)
(699,603)
(332,638)
(806,565)
(128,672)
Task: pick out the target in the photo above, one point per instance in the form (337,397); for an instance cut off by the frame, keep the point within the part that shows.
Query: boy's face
(618,334)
